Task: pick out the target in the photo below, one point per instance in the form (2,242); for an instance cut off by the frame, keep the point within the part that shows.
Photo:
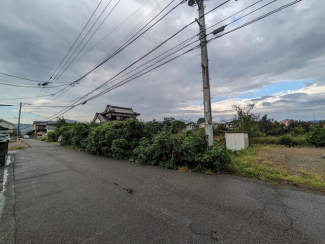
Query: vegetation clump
(317,138)
(151,143)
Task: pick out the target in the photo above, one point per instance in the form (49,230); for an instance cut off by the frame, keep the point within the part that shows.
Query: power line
(109,33)
(22,78)
(88,40)
(235,13)
(187,39)
(127,42)
(68,108)
(77,38)
(182,29)
(152,49)
(246,14)
(84,38)
(14,85)
(19,98)
(59,74)
(70,48)
(130,42)
(54,79)
(63,90)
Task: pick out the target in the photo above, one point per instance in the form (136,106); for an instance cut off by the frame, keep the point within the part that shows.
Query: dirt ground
(298,161)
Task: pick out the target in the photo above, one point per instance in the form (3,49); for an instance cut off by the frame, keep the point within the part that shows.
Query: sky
(277,63)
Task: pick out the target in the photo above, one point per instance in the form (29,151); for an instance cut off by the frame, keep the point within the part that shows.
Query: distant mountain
(24,128)
(70,121)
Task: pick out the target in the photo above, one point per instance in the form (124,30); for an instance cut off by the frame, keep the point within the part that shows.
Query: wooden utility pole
(205,76)
(19,120)
(205,72)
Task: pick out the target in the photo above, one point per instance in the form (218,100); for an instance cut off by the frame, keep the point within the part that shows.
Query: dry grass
(298,161)
(184,169)
(14,146)
(298,166)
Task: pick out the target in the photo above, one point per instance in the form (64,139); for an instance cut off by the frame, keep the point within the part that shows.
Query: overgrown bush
(79,136)
(317,138)
(267,140)
(151,144)
(290,140)
(301,140)
(173,151)
(67,134)
(157,150)
(51,137)
(287,140)
(100,139)
(120,149)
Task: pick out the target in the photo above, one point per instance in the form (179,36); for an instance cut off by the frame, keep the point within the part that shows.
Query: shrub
(301,140)
(174,151)
(120,149)
(67,134)
(51,137)
(267,140)
(80,133)
(144,152)
(287,140)
(150,144)
(100,139)
(317,138)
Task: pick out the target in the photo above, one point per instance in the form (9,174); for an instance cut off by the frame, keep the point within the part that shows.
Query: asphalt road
(57,195)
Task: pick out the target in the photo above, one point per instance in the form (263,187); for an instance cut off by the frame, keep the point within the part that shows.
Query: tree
(30,133)
(178,126)
(245,120)
(298,127)
(175,125)
(270,127)
(201,120)
(60,122)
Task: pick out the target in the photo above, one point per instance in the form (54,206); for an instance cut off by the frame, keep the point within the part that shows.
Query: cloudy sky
(277,63)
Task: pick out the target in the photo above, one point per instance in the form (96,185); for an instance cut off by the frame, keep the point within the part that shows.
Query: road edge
(7,215)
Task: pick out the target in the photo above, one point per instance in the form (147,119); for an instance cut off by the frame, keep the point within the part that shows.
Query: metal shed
(237,140)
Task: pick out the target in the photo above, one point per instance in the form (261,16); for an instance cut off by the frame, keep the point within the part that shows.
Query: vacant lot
(299,166)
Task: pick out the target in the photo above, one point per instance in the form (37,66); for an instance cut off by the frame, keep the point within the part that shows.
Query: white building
(191,126)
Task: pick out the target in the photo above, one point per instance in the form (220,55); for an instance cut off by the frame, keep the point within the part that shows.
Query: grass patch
(15,148)
(278,164)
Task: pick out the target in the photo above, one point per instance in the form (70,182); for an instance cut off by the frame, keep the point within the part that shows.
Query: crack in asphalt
(275,201)
(128,190)
(55,192)
(200,229)
(37,176)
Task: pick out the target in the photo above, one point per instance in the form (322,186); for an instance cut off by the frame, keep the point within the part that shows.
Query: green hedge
(317,138)
(51,137)
(145,143)
(266,140)
(286,140)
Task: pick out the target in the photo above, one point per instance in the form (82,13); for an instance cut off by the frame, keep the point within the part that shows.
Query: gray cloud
(286,46)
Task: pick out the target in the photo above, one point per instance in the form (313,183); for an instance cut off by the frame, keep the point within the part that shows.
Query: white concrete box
(237,140)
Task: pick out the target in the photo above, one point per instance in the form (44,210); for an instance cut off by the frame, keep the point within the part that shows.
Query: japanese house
(112,113)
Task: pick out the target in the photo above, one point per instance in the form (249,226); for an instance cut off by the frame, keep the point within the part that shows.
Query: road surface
(57,195)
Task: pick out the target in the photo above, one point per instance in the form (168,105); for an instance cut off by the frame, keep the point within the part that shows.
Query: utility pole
(205,72)
(19,119)
(36,129)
